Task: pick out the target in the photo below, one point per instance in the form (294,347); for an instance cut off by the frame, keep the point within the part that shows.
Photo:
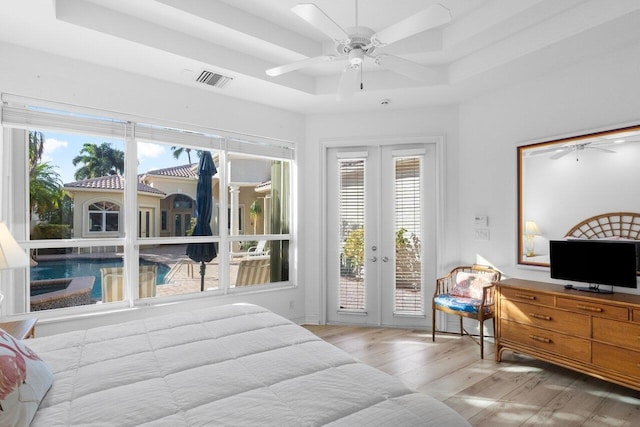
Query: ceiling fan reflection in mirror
(356,43)
(577,148)
(559,152)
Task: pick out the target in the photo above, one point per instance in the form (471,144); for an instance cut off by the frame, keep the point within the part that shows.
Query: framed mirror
(564,182)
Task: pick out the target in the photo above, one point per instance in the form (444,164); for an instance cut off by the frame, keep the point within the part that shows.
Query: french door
(381,222)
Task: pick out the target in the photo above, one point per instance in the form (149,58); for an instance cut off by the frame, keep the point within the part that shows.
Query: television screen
(596,262)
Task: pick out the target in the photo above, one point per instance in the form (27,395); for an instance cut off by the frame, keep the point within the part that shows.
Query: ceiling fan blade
(405,67)
(604,150)
(563,152)
(431,17)
(316,17)
(348,82)
(276,71)
(539,152)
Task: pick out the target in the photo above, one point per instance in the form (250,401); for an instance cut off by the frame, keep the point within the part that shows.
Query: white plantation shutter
(407,214)
(407,194)
(352,204)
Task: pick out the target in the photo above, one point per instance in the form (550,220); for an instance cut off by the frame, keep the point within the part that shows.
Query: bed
(230,365)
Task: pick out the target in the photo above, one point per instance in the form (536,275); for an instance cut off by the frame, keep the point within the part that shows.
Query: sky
(61,148)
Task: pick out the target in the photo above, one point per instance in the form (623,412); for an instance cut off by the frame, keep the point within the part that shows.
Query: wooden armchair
(467,291)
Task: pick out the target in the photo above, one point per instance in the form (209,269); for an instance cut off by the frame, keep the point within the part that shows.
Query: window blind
(352,221)
(26,114)
(43,119)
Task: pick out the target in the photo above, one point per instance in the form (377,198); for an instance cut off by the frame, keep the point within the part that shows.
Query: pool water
(76,267)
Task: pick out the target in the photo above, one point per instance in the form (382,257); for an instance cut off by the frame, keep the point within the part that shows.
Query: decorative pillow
(469,285)
(24,380)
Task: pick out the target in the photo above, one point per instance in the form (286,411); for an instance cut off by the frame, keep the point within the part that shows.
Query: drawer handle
(588,308)
(530,297)
(541,339)
(542,316)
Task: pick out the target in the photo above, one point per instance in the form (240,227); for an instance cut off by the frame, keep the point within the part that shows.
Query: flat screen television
(596,262)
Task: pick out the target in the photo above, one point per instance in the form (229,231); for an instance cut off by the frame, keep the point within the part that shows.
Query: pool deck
(183,276)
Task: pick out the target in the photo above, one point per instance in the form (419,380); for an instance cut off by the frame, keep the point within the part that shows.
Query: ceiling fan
(559,152)
(354,44)
(577,148)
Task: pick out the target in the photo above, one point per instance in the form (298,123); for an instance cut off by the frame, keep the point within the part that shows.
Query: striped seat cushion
(254,270)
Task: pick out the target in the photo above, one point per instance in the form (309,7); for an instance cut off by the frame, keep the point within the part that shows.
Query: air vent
(213,79)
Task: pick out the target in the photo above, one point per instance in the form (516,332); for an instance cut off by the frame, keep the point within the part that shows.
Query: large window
(186,184)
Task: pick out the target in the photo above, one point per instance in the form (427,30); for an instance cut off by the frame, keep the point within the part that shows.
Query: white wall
(35,74)
(441,121)
(599,93)
(31,73)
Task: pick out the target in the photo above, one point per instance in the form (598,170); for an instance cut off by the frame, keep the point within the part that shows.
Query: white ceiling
(488,44)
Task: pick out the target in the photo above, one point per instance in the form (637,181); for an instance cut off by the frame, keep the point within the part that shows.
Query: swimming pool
(76,267)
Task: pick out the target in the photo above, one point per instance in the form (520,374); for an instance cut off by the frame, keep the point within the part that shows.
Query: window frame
(104,214)
(18,115)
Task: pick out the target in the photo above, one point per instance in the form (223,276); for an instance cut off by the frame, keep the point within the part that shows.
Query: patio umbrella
(203,252)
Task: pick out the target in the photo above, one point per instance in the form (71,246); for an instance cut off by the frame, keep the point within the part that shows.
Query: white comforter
(239,365)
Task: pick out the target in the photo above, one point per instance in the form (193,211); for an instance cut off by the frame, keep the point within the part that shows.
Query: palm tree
(254,211)
(36,148)
(99,160)
(177,152)
(45,189)
(45,184)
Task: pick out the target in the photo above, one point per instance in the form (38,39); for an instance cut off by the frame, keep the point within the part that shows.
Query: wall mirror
(566,181)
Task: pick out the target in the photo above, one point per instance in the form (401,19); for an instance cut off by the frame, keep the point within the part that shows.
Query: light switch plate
(482,233)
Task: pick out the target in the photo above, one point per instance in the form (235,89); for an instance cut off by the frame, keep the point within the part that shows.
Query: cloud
(149,150)
(51,146)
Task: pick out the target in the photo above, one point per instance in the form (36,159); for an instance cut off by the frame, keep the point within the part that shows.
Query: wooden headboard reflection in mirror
(612,225)
(564,182)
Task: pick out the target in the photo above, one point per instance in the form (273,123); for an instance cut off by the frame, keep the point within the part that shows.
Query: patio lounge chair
(260,249)
(112,279)
(254,271)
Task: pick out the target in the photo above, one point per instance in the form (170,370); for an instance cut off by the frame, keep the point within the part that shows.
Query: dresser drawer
(594,308)
(546,317)
(612,331)
(636,316)
(527,295)
(544,340)
(617,359)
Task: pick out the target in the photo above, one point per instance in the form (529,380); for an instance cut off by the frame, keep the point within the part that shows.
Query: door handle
(385,259)
(373,259)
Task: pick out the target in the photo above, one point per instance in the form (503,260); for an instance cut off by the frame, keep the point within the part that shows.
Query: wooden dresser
(597,334)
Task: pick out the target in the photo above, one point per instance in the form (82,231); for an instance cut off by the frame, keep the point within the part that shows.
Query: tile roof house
(108,183)
(166,202)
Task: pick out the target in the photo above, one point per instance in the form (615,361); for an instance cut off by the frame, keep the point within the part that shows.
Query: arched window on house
(180,201)
(103,217)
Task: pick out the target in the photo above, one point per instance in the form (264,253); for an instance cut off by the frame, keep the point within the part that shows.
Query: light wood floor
(519,391)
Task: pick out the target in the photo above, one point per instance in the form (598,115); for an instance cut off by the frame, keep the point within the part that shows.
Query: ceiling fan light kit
(356,56)
(356,43)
